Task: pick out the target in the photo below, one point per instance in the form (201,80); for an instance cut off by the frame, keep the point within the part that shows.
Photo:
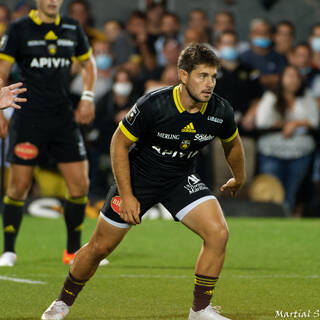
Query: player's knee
(80,187)
(100,249)
(217,234)
(18,189)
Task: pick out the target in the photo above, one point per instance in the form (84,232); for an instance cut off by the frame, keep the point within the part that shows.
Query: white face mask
(122,89)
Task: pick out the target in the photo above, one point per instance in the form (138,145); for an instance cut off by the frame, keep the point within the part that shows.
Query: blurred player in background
(42,44)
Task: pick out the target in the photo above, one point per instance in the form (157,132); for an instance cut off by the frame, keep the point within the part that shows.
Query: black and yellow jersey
(44,54)
(168,137)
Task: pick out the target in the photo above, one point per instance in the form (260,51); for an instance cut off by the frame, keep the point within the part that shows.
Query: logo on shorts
(194,184)
(26,151)
(115,204)
(132,114)
(185,144)
(52,49)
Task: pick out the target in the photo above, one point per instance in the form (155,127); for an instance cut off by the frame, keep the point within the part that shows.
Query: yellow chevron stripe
(12,202)
(85,56)
(7,58)
(80,200)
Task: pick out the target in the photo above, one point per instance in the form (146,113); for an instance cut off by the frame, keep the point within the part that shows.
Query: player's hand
(233,185)
(3,126)
(85,112)
(8,95)
(130,210)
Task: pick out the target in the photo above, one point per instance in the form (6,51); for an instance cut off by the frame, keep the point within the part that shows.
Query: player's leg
(104,240)
(18,187)
(208,222)
(76,177)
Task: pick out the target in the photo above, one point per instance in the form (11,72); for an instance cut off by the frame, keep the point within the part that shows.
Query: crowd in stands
(272,82)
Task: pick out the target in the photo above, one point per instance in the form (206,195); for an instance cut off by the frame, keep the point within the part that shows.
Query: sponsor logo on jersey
(194,184)
(214,119)
(26,151)
(115,204)
(69,26)
(168,136)
(65,43)
(36,43)
(185,144)
(175,153)
(189,128)
(3,42)
(52,49)
(132,114)
(203,137)
(45,62)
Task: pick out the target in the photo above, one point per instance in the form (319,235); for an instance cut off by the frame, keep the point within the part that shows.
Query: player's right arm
(119,152)
(5,68)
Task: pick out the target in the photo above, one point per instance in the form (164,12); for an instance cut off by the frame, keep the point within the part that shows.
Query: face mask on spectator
(261,42)
(315,44)
(304,71)
(229,53)
(103,61)
(122,89)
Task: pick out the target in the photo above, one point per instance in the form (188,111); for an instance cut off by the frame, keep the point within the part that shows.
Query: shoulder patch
(132,114)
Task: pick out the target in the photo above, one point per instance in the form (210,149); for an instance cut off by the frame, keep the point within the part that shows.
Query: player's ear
(183,76)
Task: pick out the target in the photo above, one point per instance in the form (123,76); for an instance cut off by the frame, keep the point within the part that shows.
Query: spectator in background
(314,40)
(237,82)
(119,41)
(283,37)
(110,109)
(143,51)
(301,57)
(170,28)
(154,13)
(103,57)
(80,11)
(198,20)
(223,21)
(21,9)
(261,56)
(191,36)
(4,18)
(287,152)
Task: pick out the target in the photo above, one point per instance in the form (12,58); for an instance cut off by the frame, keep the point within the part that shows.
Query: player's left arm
(85,111)
(234,154)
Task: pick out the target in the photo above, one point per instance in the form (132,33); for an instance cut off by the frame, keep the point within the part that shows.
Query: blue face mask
(103,61)
(261,42)
(304,71)
(229,53)
(315,44)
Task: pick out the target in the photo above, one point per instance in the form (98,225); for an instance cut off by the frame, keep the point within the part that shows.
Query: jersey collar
(34,17)
(177,101)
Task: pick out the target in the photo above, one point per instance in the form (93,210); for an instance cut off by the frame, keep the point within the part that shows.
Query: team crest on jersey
(132,114)
(185,144)
(52,48)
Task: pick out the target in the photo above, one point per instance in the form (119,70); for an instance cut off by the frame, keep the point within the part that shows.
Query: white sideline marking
(21,280)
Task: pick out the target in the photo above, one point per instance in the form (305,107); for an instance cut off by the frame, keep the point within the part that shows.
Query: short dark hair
(196,54)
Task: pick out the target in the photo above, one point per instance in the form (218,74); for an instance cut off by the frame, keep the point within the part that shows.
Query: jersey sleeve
(229,128)
(82,50)
(137,121)
(9,44)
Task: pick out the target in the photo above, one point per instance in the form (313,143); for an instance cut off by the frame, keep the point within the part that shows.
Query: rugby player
(9,95)
(164,131)
(43,44)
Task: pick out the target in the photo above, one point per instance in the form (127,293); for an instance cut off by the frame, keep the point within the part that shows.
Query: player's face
(200,82)
(49,7)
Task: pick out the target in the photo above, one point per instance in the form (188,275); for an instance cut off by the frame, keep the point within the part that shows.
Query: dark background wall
(303,13)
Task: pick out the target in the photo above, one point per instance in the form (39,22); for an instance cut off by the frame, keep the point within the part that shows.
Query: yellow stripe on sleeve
(230,138)
(126,132)
(85,56)
(7,58)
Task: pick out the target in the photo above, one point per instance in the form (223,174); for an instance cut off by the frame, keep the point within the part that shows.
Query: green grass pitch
(271,264)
